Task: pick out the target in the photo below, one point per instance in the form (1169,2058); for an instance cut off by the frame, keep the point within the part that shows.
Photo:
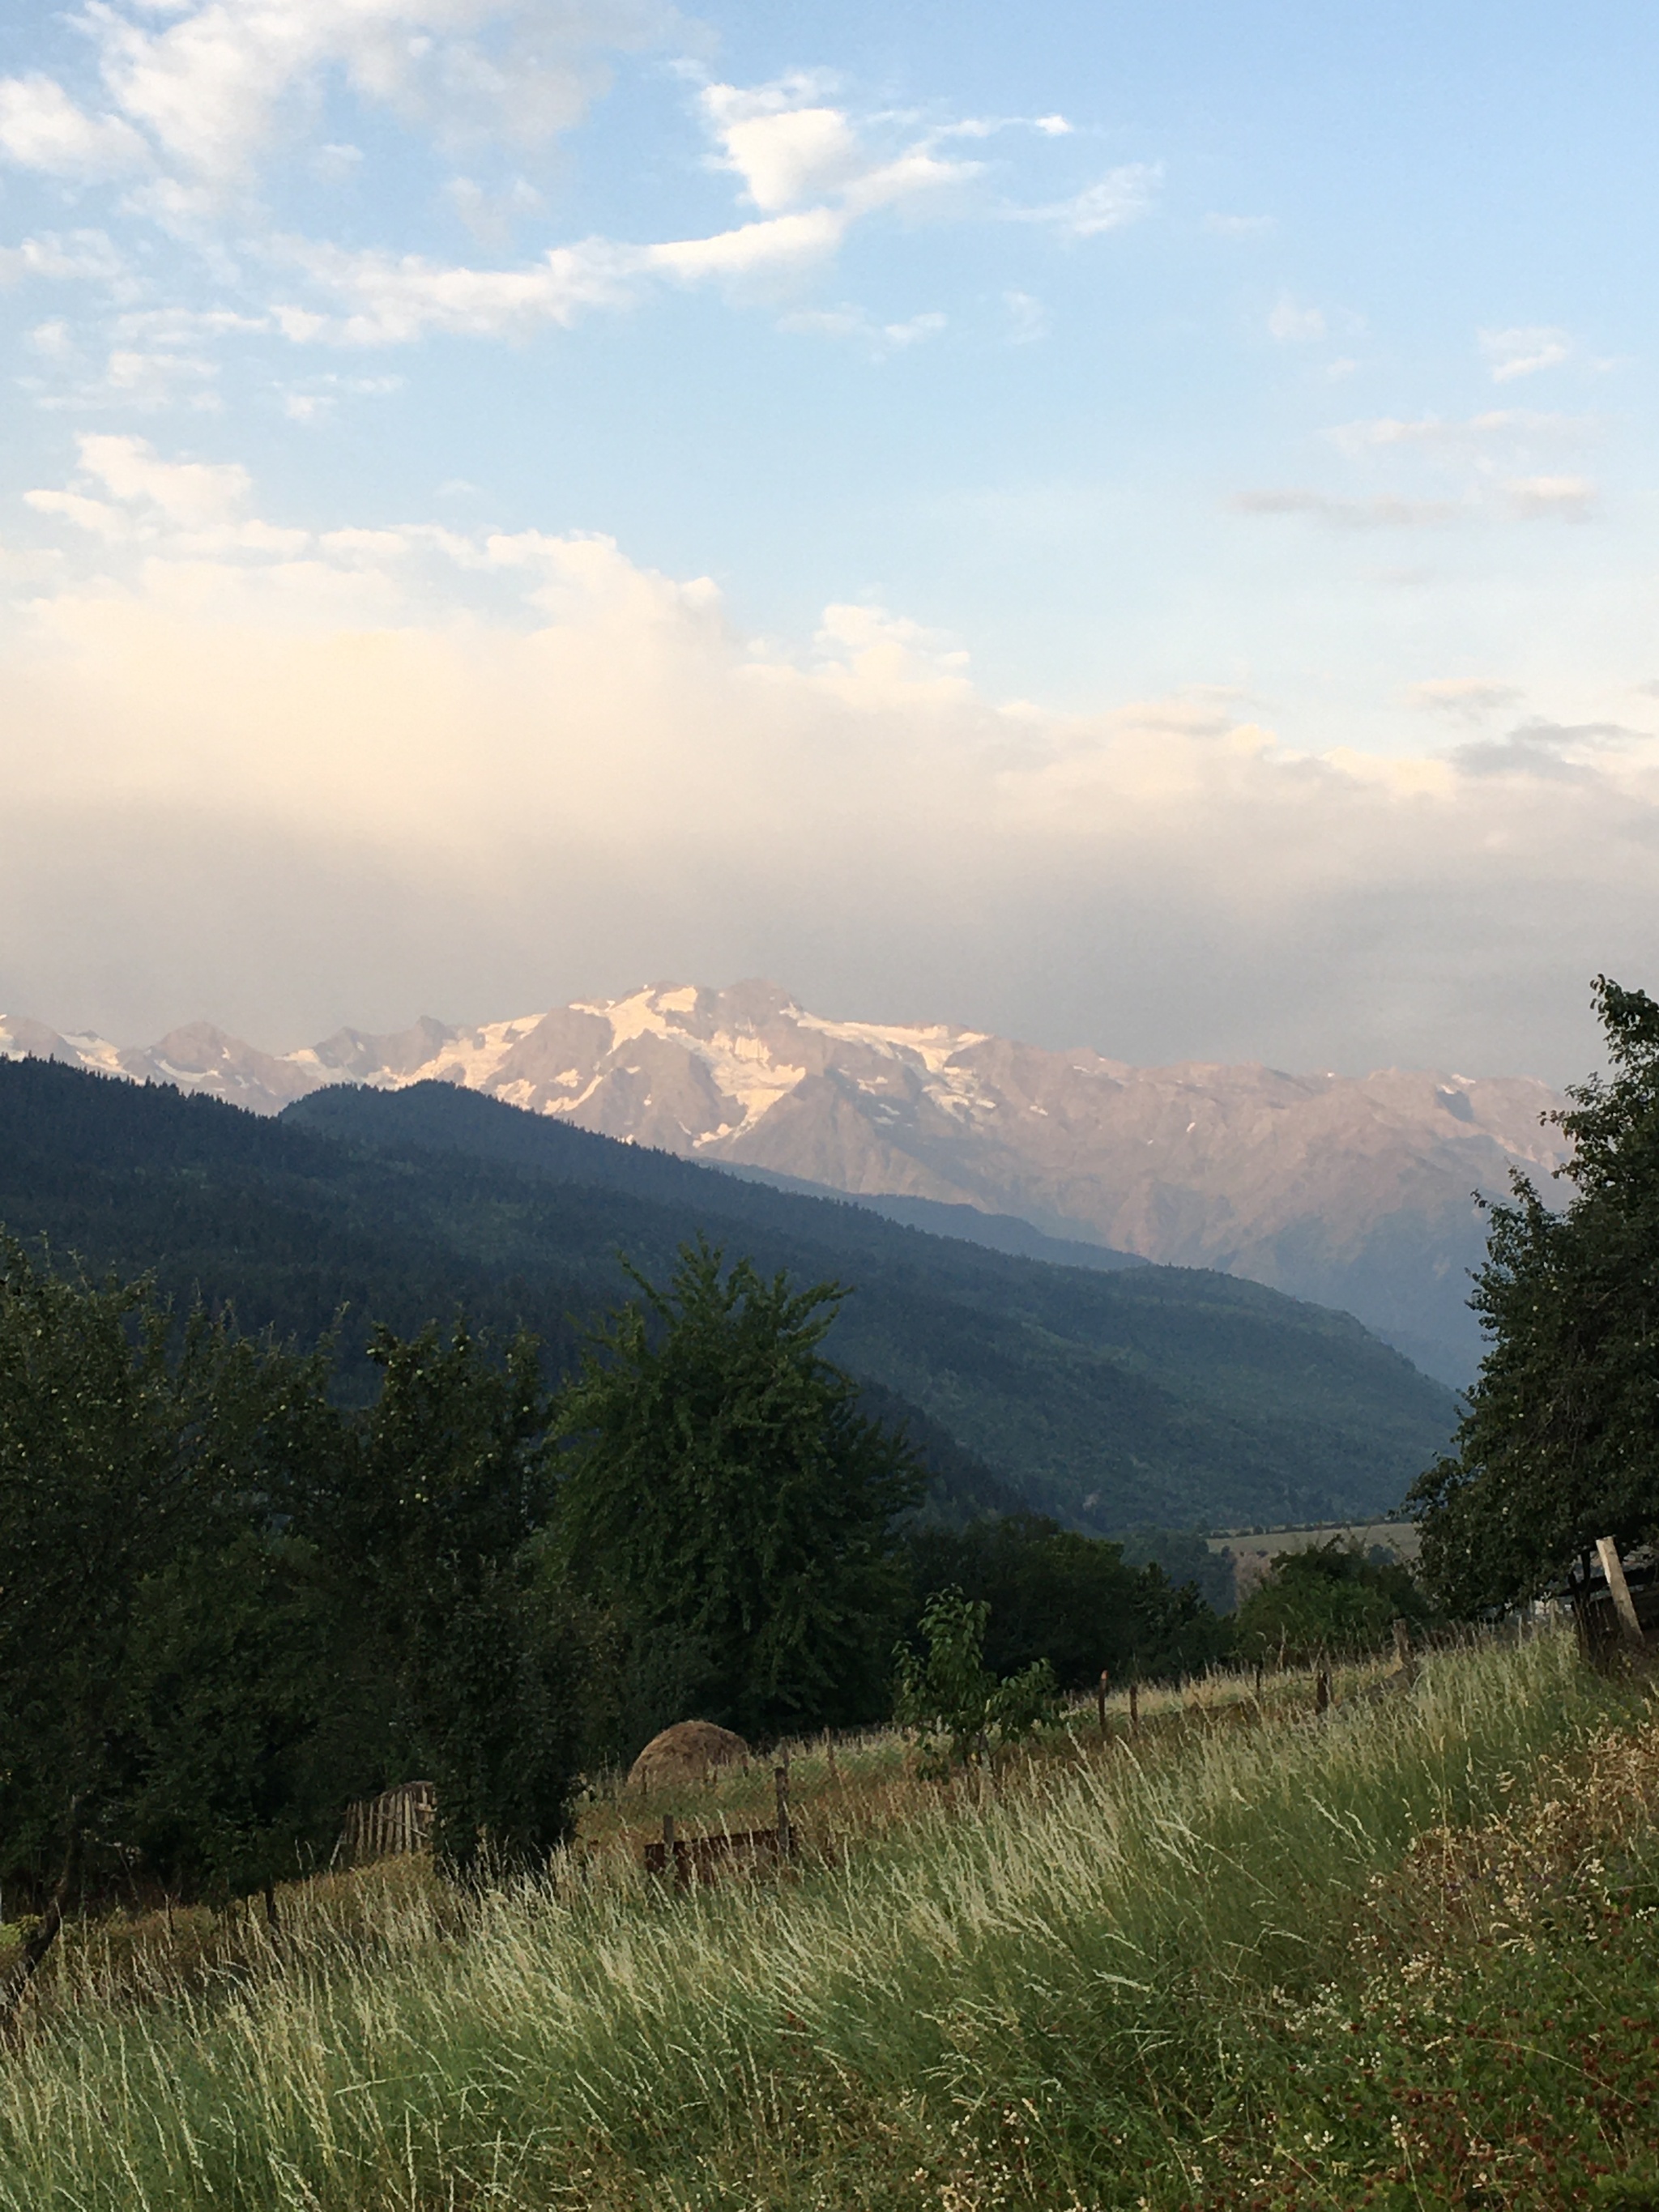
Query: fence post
(786,1832)
(1613,1568)
(1101,1687)
(1135,1708)
(1404,1657)
(1322,1691)
(1258,1681)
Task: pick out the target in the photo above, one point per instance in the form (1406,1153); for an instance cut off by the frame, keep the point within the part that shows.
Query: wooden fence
(698,1859)
(396,1822)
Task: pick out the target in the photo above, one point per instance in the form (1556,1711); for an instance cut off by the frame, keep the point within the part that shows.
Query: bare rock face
(690,1751)
(1351,1191)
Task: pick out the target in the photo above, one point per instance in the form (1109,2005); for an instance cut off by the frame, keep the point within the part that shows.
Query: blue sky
(1128,524)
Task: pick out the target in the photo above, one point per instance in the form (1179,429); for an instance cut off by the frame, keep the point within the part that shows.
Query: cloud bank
(364,774)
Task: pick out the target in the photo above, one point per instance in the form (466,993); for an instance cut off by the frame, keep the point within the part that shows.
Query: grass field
(1404,1954)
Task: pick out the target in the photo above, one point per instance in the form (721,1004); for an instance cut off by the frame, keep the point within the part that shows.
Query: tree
(1325,1601)
(125,1475)
(720,1487)
(1067,1598)
(952,1700)
(429,1527)
(1560,1444)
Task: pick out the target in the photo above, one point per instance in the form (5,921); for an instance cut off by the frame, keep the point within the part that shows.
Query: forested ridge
(1150,1396)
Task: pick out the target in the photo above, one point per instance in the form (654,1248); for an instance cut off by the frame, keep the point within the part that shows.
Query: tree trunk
(39,1941)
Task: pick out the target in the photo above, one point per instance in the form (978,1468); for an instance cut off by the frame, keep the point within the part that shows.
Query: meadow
(1401,1953)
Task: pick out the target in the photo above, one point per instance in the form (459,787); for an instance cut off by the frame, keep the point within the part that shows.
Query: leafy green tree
(1067,1598)
(1560,1444)
(118,1464)
(721,1487)
(1329,1601)
(430,1526)
(242,1748)
(952,1700)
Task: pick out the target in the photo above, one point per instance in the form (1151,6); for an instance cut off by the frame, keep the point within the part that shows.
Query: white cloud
(85,256)
(147,381)
(490,217)
(1290,324)
(1028,318)
(337,164)
(391,299)
(1565,498)
(1123,195)
(780,244)
(784,148)
(1497,427)
(41,128)
(1239,226)
(1524,352)
(525,749)
(194,494)
(96,515)
(212,87)
(858,324)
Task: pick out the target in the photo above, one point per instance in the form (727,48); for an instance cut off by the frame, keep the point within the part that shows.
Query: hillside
(1144,1396)
(1404,1959)
(1354,1192)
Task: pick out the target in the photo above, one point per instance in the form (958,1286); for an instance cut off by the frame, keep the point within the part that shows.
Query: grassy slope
(1400,1956)
(1151,1395)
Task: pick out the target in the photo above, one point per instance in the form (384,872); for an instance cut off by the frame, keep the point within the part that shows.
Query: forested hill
(1154,1394)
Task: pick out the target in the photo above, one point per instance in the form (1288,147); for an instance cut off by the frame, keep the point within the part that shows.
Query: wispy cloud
(858,326)
(1558,498)
(1470,698)
(1498,428)
(1382,513)
(41,128)
(1291,324)
(1524,352)
(1123,195)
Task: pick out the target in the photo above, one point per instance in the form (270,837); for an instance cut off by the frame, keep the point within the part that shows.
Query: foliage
(949,1697)
(1185,1557)
(718,1484)
(229,1607)
(1561,1442)
(430,1528)
(1069,1598)
(132,1497)
(1330,1600)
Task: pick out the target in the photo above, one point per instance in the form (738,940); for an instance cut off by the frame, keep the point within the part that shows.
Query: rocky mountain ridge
(1351,1191)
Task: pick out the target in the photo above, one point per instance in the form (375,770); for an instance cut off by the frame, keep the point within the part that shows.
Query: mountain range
(1115,1398)
(1354,1192)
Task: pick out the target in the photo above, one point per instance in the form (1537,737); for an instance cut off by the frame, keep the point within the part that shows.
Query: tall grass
(1044,1995)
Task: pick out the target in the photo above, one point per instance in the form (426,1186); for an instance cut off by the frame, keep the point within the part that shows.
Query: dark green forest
(1150,1396)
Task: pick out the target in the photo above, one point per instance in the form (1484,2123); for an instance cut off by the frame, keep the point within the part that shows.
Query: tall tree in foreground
(135,1474)
(428,1534)
(1560,1442)
(720,1484)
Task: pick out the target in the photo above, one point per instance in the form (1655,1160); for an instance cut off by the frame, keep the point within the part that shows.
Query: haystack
(690,1751)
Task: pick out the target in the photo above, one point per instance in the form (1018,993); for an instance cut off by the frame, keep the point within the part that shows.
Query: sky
(1115,522)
